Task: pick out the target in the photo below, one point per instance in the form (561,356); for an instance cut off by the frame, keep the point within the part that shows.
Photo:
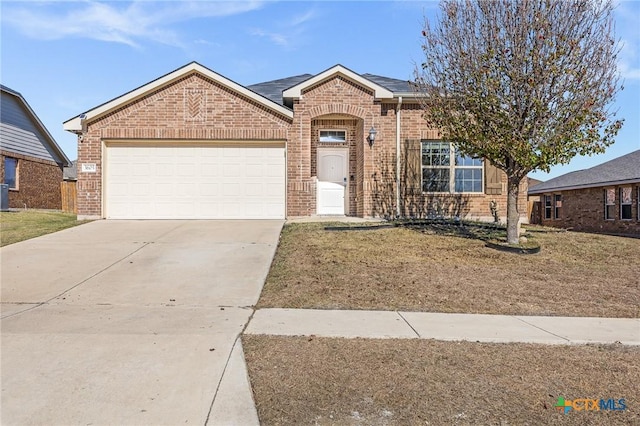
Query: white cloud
(128,23)
(277,38)
(627,72)
(301,19)
(627,16)
(289,33)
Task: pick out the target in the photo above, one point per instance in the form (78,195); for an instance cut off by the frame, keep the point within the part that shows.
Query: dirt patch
(303,380)
(575,274)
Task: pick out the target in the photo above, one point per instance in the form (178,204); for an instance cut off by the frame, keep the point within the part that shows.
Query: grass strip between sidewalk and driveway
(575,274)
(20,225)
(310,380)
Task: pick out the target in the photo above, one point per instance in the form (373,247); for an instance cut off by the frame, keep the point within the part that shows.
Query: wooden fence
(69,196)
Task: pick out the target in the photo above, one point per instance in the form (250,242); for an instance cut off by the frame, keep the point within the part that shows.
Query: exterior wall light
(372,136)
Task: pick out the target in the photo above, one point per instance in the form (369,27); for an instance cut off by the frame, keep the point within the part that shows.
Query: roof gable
(22,132)
(379,91)
(76,123)
(621,170)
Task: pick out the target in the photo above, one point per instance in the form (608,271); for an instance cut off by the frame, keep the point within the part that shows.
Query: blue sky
(67,57)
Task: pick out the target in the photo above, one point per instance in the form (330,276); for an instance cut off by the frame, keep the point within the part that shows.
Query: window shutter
(413,166)
(492,178)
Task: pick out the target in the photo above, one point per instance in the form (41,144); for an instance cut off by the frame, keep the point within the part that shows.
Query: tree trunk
(513,216)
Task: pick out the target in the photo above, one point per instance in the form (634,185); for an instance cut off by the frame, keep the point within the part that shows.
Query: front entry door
(332,181)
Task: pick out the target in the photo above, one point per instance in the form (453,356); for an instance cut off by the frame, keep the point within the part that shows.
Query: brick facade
(196,108)
(38,183)
(193,108)
(584,210)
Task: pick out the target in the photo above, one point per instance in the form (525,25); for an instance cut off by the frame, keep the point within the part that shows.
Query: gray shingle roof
(273,89)
(393,84)
(625,169)
(71,172)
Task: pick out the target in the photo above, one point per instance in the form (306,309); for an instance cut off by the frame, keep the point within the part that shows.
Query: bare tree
(526,84)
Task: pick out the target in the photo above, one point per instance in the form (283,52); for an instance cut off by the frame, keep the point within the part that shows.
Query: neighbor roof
(71,172)
(621,170)
(22,132)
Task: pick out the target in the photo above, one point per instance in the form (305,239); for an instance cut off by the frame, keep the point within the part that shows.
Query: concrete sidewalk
(441,326)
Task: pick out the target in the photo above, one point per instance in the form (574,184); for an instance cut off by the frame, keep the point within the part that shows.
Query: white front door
(332,181)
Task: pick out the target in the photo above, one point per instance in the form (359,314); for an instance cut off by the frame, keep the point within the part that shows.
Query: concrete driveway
(131,322)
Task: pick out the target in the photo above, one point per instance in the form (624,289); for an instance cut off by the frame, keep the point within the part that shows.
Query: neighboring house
(69,188)
(70,173)
(194,144)
(31,160)
(533,203)
(604,198)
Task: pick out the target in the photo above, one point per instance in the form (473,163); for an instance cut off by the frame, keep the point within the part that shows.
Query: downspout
(398,156)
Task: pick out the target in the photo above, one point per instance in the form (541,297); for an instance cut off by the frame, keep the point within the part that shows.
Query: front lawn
(575,274)
(322,381)
(22,225)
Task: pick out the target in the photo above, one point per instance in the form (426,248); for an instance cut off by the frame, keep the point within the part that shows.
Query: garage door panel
(213,182)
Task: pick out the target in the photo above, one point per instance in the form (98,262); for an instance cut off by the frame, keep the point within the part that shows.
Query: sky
(68,57)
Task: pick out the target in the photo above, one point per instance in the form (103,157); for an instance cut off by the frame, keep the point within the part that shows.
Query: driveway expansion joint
(405,320)
(542,329)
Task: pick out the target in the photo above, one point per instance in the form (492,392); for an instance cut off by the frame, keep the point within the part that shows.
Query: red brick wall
(196,108)
(38,183)
(191,108)
(470,206)
(335,99)
(583,210)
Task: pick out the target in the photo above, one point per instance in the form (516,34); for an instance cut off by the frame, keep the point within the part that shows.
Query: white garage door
(195,182)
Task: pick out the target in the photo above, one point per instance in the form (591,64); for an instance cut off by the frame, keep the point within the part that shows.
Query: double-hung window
(445,169)
(557,205)
(610,203)
(11,172)
(547,206)
(625,203)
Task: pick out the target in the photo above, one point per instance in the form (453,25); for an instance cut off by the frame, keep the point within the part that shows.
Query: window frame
(557,210)
(622,203)
(547,206)
(329,142)
(16,177)
(452,167)
(607,216)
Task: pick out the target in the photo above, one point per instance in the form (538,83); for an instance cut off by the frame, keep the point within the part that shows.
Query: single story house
(604,198)
(31,161)
(195,144)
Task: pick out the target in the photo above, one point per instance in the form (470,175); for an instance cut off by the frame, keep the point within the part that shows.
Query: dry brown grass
(301,380)
(575,274)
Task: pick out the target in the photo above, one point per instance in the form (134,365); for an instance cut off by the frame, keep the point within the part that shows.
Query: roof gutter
(398,114)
